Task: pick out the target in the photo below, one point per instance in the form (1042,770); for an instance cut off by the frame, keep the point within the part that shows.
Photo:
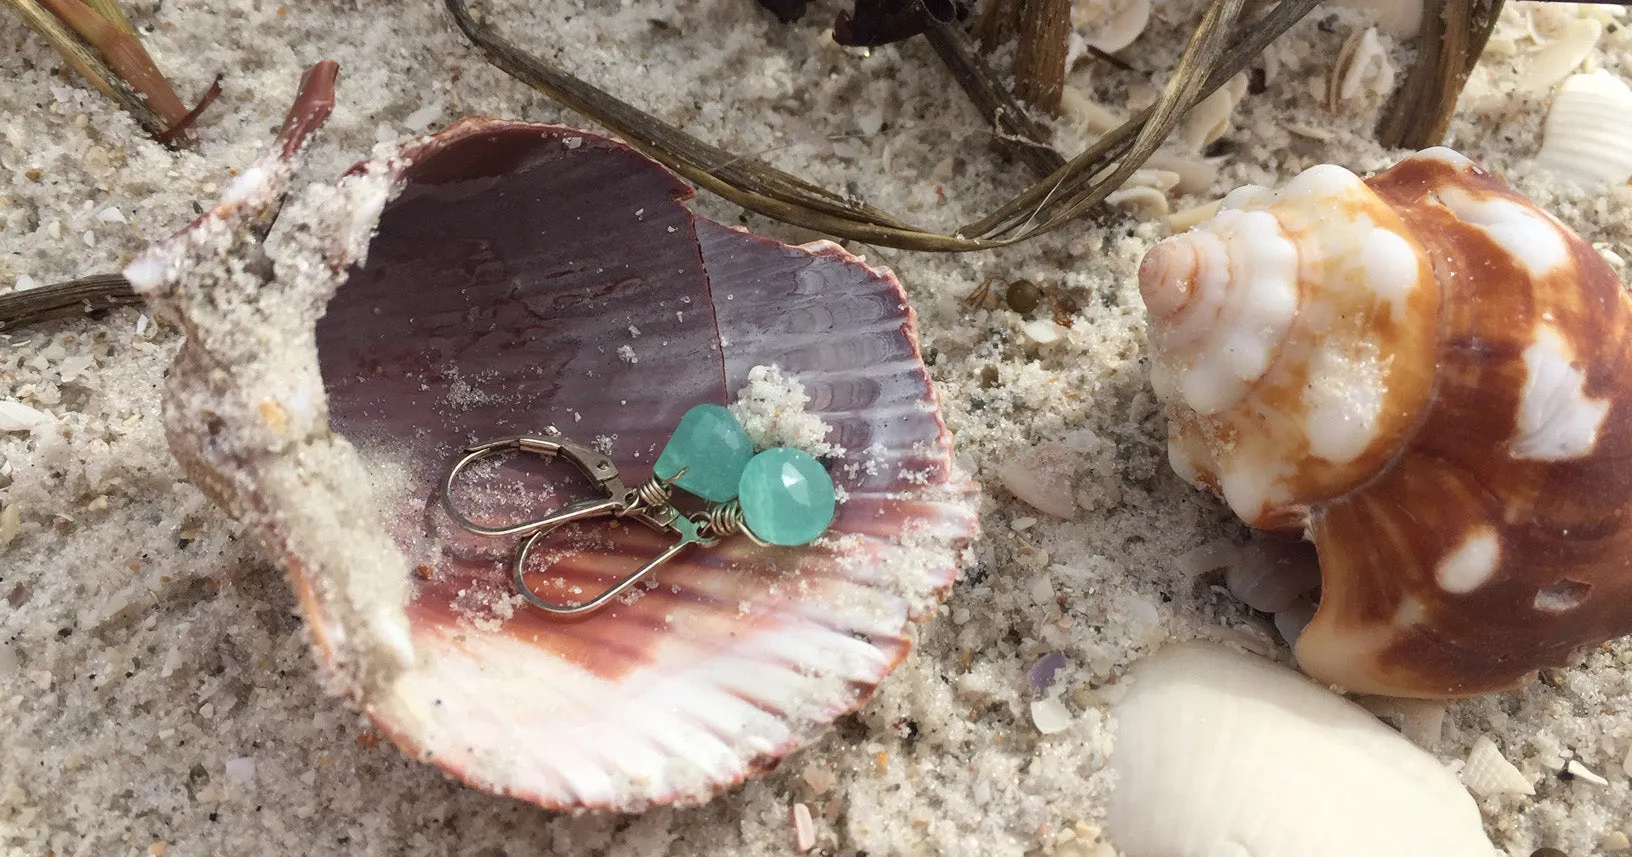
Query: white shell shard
(1223,753)
(1572,44)
(1488,773)
(1043,477)
(1363,68)
(1585,138)
(1110,25)
(1398,18)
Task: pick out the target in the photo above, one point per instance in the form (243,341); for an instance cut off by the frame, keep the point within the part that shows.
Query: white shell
(1575,40)
(1210,119)
(1111,25)
(1223,753)
(1363,69)
(1585,137)
(1489,773)
(1398,18)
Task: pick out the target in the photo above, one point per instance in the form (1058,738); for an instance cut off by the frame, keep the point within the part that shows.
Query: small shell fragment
(1362,67)
(1042,477)
(1587,127)
(1223,753)
(16,416)
(804,828)
(1111,25)
(1563,54)
(1581,772)
(1488,773)
(1050,715)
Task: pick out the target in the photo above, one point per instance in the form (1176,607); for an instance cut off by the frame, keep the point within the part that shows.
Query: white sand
(156,691)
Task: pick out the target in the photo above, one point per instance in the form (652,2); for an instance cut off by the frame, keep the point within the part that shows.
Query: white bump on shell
(1527,235)
(1343,404)
(1557,420)
(1472,564)
(1391,268)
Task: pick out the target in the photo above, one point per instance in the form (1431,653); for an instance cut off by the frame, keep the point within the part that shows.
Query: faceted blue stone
(786,497)
(708,450)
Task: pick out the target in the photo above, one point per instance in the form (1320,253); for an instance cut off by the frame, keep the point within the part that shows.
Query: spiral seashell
(1425,374)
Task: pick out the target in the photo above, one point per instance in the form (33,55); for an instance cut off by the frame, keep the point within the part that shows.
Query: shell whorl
(1279,342)
(1448,416)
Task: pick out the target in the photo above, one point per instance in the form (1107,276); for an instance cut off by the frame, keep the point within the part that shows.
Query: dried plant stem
(1039,61)
(88,64)
(120,68)
(995,25)
(65,300)
(1016,131)
(1454,33)
(1217,52)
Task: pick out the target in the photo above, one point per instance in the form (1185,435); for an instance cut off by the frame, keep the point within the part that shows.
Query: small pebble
(1022,296)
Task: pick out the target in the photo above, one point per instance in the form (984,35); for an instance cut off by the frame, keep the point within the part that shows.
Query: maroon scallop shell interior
(529,278)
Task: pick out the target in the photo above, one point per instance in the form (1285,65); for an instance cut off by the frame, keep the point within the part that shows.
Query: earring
(777,497)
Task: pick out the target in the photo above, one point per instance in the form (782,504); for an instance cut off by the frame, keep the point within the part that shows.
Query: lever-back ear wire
(597,467)
(793,517)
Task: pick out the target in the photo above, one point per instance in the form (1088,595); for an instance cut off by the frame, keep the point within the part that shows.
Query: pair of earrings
(780,496)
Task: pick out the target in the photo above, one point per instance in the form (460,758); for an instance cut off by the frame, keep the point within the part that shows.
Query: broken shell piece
(1570,46)
(1221,752)
(1588,125)
(1210,120)
(1363,68)
(1401,19)
(1110,25)
(496,279)
(1488,773)
(1146,203)
(1043,476)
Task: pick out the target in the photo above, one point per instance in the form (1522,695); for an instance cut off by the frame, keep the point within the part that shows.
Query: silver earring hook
(664,519)
(596,467)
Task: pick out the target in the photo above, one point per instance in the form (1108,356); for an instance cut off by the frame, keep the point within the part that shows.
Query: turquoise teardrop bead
(712,449)
(786,497)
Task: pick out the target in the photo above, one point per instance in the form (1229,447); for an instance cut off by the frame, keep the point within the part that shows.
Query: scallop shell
(482,282)
(1220,752)
(1587,127)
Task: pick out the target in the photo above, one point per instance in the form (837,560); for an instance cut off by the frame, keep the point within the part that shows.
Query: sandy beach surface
(157,691)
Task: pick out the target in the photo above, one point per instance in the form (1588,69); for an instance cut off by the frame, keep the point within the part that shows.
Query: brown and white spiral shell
(1426,374)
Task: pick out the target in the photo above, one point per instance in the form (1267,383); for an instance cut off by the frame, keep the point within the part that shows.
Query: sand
(157,694)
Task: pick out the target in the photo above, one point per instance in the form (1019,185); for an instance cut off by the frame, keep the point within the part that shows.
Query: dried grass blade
(1454,33)
(109,9)
(1013,125)
(88,64)
(1062,189)
(65,300)
(125,55)
(744,181)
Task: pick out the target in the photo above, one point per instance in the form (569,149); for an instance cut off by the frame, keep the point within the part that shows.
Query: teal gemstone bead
(711,448)
(786,497)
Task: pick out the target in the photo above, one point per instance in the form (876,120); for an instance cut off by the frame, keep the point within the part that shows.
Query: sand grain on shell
(156,692)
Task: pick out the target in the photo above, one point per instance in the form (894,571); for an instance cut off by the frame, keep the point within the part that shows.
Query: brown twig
(1016,130)
(120,67)
(65,300)
(1454,33)
(1039,60)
